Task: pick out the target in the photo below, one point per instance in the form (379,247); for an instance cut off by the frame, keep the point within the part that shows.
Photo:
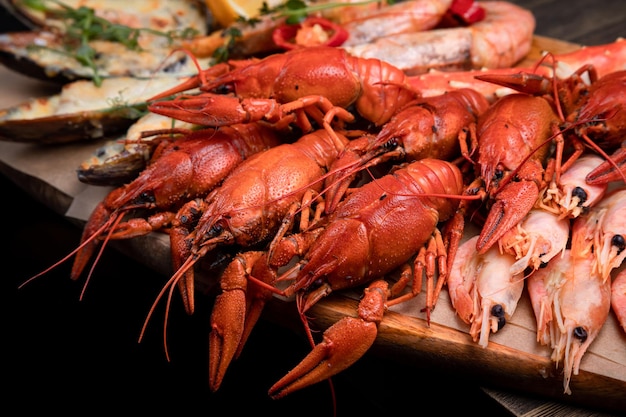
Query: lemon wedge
(226,12)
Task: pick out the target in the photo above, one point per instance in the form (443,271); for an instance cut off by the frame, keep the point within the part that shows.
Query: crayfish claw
(227,325)
(522,81)
(344,343)
(512,204)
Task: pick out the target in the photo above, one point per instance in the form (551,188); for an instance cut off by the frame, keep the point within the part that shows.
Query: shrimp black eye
(498,312)
(581,194)
(618,242)
(580,333)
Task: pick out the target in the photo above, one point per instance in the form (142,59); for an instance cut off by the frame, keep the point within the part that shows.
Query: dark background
(71,356)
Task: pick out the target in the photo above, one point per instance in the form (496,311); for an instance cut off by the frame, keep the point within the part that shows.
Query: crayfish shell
(81,111)
(47,52)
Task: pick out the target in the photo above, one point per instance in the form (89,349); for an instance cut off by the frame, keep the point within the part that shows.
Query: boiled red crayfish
(259,198)
(510,181)
(182,168)
(432,127)
(595,113)
(321,82)
(387,222)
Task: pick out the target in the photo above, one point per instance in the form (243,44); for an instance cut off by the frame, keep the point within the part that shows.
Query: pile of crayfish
(317,171)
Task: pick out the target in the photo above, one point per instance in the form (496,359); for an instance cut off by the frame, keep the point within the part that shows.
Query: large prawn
(500,40)
(573,195)
(363,22)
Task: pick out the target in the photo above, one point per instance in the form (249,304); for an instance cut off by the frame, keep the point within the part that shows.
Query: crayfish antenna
(82,245)
(115,220)
(169,287)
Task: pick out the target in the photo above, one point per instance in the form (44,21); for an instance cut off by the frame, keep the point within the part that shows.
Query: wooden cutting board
(402,336)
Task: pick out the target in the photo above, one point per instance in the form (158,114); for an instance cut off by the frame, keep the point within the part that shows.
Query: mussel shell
(15,56)
(120,161)
(113,165)
(41,55)
(69,127)
(81,111)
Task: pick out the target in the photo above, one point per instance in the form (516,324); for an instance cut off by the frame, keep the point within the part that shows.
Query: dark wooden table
(65,355)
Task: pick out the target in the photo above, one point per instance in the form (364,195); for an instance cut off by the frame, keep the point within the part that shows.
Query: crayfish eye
(216,229)
(316,284)
(580,194)
(498,312)
(146,197)
(580,333)
(618,242)
(223,89)
(498,174)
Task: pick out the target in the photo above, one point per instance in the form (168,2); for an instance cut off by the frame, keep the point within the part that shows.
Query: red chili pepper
(467,10)
(463,12)
(285,35)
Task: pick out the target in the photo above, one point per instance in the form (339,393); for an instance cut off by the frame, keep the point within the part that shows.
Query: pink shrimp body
(618,298)
(500,40)
(602,233)
(541,236)
(482,290)
(573,195)
(571,303)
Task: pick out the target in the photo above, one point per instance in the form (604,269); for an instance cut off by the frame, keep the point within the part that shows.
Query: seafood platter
(475,168)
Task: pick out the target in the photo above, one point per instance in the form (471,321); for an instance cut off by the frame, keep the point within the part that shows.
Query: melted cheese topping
(162,15)
(83,96)
(159,55)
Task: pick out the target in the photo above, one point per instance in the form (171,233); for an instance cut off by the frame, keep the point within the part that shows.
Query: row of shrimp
(413,35)
(349,151)
(551,222)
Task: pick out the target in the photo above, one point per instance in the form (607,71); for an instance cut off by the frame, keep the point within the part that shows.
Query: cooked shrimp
(404,17)
(364,22)
(573,196)
(536,240)
(482,290)
(618,298)
(500,40)
(603,233)
(571,302)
